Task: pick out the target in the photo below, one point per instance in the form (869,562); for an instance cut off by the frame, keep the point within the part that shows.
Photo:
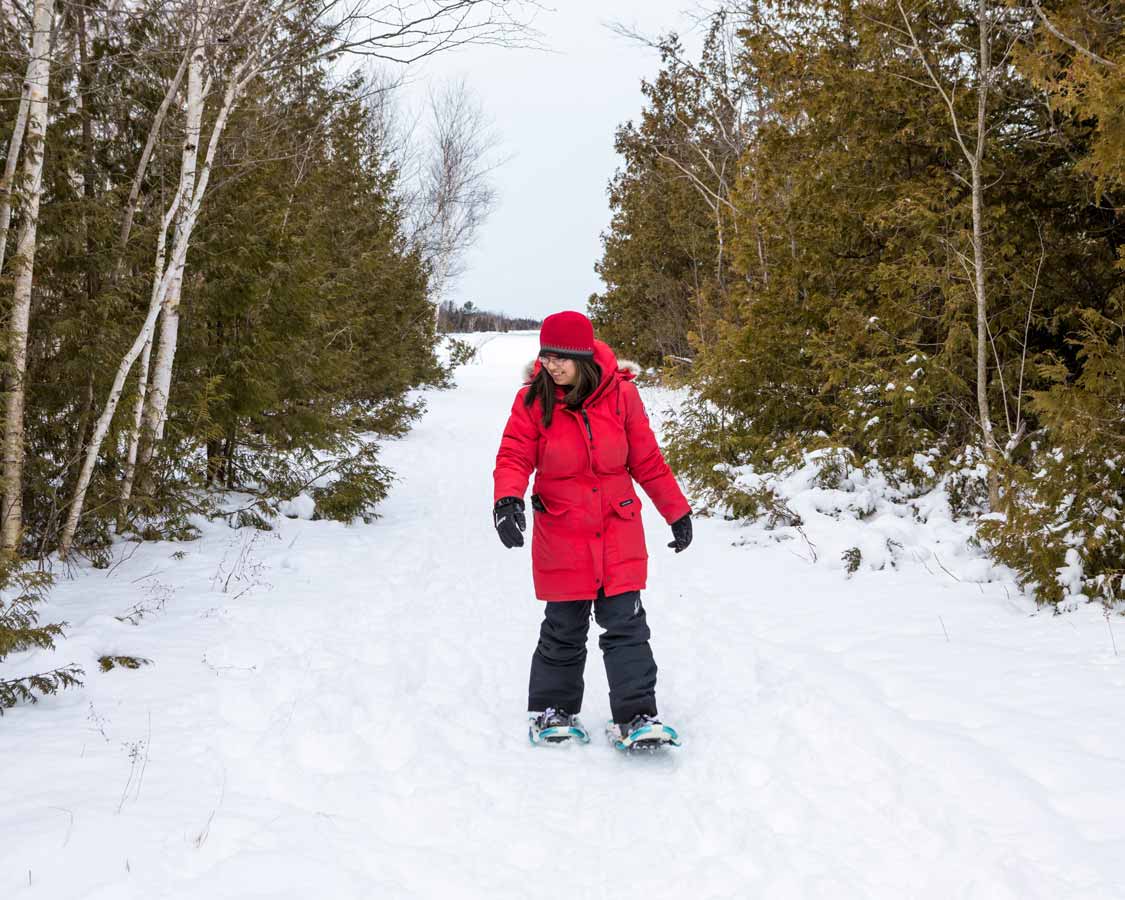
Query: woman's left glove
(681,533)
(507,516)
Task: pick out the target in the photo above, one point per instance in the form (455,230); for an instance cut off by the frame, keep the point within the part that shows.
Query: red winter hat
(568,334)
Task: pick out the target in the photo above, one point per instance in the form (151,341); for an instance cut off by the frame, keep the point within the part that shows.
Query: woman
(579,424)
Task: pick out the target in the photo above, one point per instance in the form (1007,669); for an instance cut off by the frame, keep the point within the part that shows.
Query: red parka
(587,532)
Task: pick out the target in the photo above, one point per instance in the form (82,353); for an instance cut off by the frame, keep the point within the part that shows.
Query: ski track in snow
(346,719)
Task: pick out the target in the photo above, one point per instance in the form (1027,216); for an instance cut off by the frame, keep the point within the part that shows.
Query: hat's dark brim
(567,352)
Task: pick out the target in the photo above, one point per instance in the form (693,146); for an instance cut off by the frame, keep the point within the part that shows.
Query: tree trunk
(229,447)
(39,72)
(135,437)
(152,423)
(984,77)
(89,166)
(7,182)
(156,406)
(975,159)
(983,406)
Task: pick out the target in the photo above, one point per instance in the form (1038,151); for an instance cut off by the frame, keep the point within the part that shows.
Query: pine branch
(25,689)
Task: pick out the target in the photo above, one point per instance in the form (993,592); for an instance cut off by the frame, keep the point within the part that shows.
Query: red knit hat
(567,334)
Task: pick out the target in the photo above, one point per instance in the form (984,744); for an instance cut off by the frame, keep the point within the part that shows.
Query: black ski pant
(560,657)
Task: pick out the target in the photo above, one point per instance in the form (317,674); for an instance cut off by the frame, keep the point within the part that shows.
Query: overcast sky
(555,113)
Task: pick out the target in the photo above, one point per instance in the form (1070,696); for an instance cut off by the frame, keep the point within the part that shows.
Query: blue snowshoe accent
(555,726)
(642,733)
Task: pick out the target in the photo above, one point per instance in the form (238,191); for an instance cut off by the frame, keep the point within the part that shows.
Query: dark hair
(587,377)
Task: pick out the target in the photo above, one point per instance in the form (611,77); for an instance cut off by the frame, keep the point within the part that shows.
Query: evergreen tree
(1064,531)
(666,260)
(852,314)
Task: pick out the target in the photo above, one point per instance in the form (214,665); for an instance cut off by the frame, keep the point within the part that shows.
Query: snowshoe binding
(555,726)
(642,733)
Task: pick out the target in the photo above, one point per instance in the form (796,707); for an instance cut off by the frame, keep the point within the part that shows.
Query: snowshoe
(555,726)
(642,733)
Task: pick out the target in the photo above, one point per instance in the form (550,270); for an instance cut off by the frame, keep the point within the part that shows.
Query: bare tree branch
(1074,45)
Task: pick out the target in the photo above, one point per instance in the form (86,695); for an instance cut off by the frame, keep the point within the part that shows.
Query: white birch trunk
(984,79)
(39,73)
(123,241)
(975,158)
(135,437)
(156,401)
(439,272)
(157,405)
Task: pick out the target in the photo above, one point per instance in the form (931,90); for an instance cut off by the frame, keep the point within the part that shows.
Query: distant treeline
(465,318)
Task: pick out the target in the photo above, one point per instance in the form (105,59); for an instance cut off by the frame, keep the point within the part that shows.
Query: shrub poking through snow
(1060,531)
(359,485)
(108,662)
(867,516)
(1063,529)
(21,590)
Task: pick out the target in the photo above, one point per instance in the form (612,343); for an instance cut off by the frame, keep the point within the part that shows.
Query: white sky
(555,113)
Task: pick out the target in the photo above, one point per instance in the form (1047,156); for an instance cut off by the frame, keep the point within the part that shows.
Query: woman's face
(561,370)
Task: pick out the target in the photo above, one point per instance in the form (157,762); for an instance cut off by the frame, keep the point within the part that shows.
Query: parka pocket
(554,508)
(552,536)
(626,533)
(627,507)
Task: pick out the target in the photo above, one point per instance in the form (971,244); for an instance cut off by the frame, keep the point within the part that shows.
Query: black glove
(507,516)
(681,533)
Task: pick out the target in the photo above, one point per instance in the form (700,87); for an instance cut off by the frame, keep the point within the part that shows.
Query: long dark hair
(586,379)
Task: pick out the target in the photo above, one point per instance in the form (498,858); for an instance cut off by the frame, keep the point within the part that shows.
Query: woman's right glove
(507,516)
(681,533)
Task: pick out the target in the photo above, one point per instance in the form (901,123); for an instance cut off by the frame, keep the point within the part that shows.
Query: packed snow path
(338,712)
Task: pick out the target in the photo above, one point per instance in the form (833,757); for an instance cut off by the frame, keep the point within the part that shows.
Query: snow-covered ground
(338,711)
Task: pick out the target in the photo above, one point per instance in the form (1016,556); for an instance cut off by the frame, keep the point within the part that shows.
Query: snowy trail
(352,724)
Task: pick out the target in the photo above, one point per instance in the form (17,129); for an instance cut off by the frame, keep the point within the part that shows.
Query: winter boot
(643,732)
(555,726)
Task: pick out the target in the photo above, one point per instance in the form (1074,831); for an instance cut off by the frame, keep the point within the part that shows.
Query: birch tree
(135,434)
(156,394)
(973,145)
(39,74)
(455,193)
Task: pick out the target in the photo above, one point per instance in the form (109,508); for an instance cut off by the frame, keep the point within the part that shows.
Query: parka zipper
(586,419)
